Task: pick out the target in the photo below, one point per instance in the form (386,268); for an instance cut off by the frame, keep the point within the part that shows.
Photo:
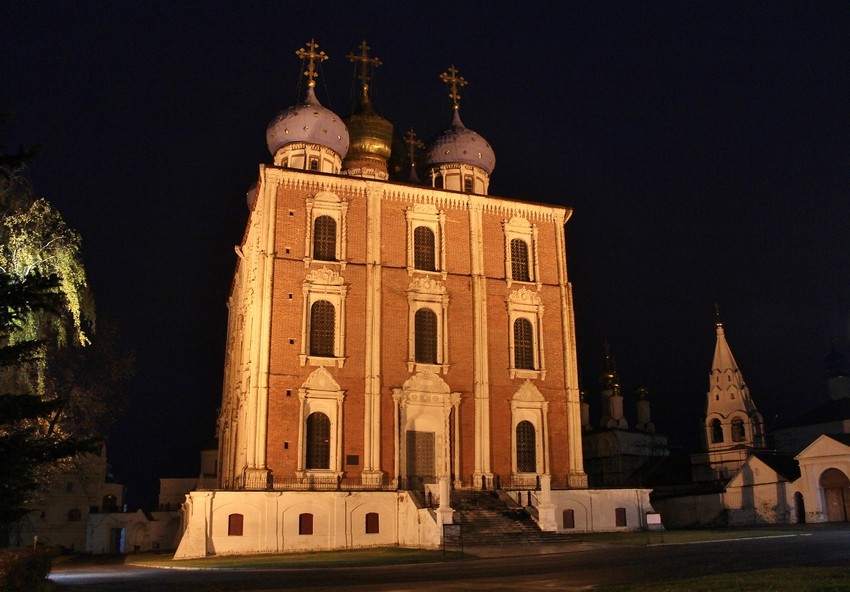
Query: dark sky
(704,147)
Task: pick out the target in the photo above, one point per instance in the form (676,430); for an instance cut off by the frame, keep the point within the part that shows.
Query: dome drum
(460,177)
(308,157)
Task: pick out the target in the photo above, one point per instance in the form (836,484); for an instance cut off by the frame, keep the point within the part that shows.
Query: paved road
(570,567)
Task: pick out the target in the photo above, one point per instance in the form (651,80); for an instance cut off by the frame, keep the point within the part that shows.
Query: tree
(57,381)
(27,446)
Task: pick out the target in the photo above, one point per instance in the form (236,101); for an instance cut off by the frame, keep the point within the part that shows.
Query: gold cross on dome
(365,62)
(313,59)
(412,144)
(455,82)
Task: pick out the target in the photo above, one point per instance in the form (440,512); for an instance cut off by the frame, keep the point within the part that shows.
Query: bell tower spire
(733,425)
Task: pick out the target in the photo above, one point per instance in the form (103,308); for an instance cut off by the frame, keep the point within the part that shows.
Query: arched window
(372,523)
(738,433)
(318,441)
(305,524)
(322,315)
(526,448)
(314,164)
(467,184)
(716,431)
(519,260)
(426,336)
(523,344)
(423,249)
(324,238)
(234,525)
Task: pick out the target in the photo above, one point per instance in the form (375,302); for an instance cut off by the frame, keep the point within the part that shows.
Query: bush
(23,570)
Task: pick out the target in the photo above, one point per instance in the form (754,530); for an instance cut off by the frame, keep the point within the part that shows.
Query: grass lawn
(353,557)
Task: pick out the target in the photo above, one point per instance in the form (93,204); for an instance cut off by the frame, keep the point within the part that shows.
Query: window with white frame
(427,323)
(521,260)
(423,249)
(529,411)
(323,324)
(320,420)
(325,236)
(525,343)
(426,239)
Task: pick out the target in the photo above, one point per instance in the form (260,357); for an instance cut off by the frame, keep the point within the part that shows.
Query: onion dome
(371,135)
(459,159)
(308,123)
(461,144)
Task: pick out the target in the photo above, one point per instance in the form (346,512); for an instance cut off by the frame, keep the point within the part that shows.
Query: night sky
(704,148)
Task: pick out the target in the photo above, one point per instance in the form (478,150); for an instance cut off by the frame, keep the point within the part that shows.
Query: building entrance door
(420,458)
(836,492)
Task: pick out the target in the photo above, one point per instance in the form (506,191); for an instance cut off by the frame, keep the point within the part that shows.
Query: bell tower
(732,426)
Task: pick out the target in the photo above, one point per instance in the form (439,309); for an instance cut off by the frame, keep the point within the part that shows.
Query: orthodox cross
(455,82)
(365,62)
(313,59)
(412,144)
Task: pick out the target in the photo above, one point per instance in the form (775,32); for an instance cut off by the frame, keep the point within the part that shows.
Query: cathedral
(391,344)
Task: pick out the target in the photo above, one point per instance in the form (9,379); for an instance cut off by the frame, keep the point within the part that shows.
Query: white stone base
(270,522)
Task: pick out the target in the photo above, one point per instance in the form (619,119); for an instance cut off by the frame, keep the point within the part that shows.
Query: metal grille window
(526,448)
(519,260)
(318,441)
(423,249)
(324,238)
(322,329)
(523,344)
(426,336)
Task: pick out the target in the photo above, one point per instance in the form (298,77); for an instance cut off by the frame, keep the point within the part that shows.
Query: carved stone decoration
(426,285)
(524,296)
(324,276)
(426,381)
(527,392)
(321,380)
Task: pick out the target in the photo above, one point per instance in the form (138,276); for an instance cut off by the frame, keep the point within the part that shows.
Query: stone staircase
(486,519)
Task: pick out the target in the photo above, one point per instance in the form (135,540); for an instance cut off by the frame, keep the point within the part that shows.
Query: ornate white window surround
(326,203)
(320,393)
(427,215)
(524,303)
(324,284)
(426,292)
(528,404)
(520,228)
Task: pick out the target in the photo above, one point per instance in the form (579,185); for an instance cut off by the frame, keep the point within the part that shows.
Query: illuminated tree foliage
(59,383)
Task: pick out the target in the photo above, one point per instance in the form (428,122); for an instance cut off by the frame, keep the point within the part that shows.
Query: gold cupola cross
(455,82)
(365,62)
(313,58)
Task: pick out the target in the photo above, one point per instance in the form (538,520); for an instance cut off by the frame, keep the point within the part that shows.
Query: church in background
(796,474)
(394,347)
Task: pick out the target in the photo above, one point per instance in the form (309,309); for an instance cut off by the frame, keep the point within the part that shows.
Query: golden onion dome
(370,138)
(370,135)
